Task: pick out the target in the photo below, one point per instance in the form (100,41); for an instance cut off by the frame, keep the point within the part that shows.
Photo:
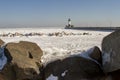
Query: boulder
(23,60)
(8,72)
(93,54)
(1,42)
(73,68)
(115,75)
(96,54)
(111,53)
(2,77)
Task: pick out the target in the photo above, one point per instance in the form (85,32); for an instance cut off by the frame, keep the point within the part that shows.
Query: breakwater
(94,28)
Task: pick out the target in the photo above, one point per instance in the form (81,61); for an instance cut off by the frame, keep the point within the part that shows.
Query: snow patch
(64,73)
(51,77)
(3,59)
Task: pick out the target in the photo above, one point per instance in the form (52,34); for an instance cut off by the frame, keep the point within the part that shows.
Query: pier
(94,28)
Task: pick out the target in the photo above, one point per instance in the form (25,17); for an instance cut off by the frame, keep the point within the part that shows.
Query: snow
(64,73)
(67,43)
(51,77)
(3,59)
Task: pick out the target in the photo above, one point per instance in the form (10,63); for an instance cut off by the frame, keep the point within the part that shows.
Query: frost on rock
(3,59)
(64,73)
(51,77)
(86,55)
(106,58)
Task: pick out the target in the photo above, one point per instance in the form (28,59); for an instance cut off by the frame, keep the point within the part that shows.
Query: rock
(2,77)
(24,58)
(115,75)
(1,42)
(93,54)
(73,68)
(96,54)
(111,53)
(8,72)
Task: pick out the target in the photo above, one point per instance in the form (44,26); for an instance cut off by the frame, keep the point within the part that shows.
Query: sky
(55,13)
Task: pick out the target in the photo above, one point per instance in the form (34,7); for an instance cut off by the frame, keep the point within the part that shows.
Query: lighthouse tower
(69,22)
(69,25)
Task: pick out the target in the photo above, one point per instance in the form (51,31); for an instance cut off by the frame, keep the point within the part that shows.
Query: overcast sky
(54,13)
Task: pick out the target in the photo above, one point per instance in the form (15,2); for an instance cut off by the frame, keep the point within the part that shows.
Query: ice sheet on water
(57,47)
(3,59)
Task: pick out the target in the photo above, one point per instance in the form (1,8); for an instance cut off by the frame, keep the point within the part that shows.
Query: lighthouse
(69,22)
(69,25)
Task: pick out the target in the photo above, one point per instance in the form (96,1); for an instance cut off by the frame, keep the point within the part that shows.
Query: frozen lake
(65,43)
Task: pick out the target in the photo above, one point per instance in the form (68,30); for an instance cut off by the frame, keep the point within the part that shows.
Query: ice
(57,47)
(3,59)
(51,77)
